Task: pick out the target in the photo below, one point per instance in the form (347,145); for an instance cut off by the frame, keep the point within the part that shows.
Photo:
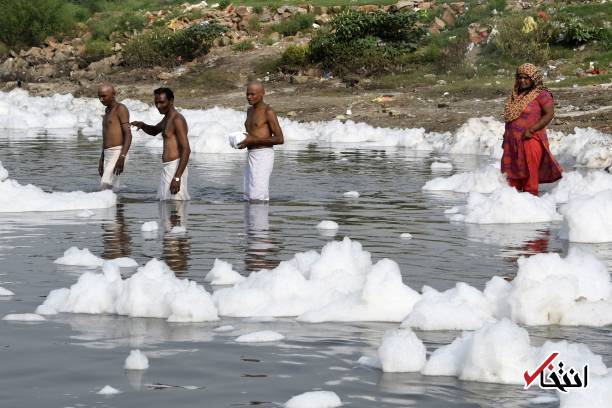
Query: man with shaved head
(116,137)
(263,132)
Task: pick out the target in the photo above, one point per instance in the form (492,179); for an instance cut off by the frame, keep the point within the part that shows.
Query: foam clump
(178,229)
(548,289)
(406,235)
(224,329)
(589,219)
(500,352)
(351,194)
(575,184)
(339,284)
(401,351)
(74,256)
(85,214)
(314,399)
(153,291)
(108,390)
(24,317)
(222,273)
(597,394)
(460,308)
(149,226)
(5,292)
(505,206)
(263,336)
(136,361)
(327,225)
(17,198)
(441,166)
(484,180)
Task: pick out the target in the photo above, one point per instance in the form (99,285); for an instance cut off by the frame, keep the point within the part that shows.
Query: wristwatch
(177,179)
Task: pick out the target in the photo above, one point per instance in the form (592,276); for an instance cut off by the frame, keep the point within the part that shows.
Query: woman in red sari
(527,160)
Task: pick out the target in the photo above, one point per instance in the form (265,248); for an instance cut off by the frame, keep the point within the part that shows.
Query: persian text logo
(554,373)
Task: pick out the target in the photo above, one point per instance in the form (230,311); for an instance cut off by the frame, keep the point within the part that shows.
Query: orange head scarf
(517,102)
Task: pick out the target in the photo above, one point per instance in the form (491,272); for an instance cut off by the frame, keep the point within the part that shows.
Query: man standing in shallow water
(173,127)
(263,132)
(116,137)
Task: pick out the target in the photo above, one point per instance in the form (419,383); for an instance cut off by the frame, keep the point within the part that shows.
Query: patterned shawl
(517,102)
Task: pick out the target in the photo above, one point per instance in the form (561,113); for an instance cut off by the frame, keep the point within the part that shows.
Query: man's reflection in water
(176,247)
(116,238)
(260,247)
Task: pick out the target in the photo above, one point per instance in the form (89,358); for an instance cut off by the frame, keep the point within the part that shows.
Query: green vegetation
(97,49)
(295,56)
(366,42)
(245,45)
(294,24)
(170,48)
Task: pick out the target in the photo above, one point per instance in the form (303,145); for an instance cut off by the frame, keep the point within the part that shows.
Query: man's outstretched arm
(148,129)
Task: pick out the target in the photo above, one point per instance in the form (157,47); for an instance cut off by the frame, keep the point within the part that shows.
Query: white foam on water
(85,214)
(224,329)
(153,291)
(74,256)
(5,292)
(339,284)
(209,129)
(351,194)
(327,225)
(574,184)
(460,308)
(263,336)
(401,351)
(108,390)
(406,235)
(597,394)
(17,198)
(441,166)
(149,226)
(177,229)
(484,180)
(222,273)
(136,361)
(24,317)
(500,352)
(505,206)
(588,219)
(314,399)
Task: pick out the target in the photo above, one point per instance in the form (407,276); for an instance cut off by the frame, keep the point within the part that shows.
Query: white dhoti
(257,174)
(167,174)
(109,178)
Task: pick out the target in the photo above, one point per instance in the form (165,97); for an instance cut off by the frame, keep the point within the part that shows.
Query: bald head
(255,92)
(106,94)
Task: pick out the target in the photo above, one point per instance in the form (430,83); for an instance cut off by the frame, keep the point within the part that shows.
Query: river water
(64,361)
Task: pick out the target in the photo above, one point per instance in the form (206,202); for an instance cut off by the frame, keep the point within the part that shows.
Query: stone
(274,36)
(6,69)
(299,79)
(164,76)
(426,5)
(42,71)
(102,67)
(439,24)
(322,19)
(458,7)
(368,8)
(243,11)
(449,17)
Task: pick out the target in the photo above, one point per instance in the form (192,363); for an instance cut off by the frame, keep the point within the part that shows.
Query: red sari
(526,163)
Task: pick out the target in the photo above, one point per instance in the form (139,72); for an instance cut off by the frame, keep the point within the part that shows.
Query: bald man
(116,137)
(263,132)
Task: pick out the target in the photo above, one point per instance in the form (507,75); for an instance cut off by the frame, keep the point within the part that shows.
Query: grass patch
(170,48)
(245,45)
(97,49)
(292,25)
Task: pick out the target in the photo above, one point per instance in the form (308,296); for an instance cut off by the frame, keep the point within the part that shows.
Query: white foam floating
(153,291)
(314,399)
(264,336)
(209,129)
(5,292)
(136,361)
(108,390)
(17,198)
(149,226)
(24,317)
(222,273)
(327,225)
(74,256)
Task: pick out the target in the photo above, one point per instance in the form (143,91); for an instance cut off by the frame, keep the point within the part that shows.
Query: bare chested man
(116,137)
(173,127)
(263,132)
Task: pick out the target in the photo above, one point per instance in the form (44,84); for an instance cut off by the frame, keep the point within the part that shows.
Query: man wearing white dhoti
(173,127)
(116,137)
(263,132)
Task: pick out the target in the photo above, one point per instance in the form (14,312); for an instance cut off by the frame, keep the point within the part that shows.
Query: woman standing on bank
(527,160)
